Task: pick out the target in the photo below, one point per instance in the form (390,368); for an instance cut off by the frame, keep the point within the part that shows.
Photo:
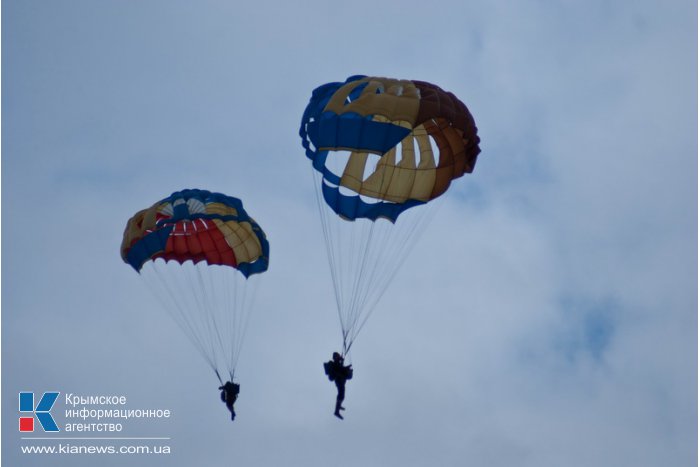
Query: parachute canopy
(424,138)
(196,225)
(380,148)
(200,254)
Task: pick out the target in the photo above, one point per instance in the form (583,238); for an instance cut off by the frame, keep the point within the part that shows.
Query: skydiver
(339,373)
(229,394)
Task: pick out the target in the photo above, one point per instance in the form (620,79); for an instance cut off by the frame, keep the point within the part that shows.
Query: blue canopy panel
(353,207)
(151,244)
(355,132)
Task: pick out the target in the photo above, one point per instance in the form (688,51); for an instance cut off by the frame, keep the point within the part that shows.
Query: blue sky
(546,317)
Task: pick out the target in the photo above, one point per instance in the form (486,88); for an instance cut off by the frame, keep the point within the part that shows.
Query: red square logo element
(26,423)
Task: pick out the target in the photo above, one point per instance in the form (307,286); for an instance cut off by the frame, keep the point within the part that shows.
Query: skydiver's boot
(338,408)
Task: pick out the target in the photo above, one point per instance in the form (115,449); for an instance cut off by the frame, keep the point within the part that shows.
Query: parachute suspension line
(177,309)
(231,311)
(224,311)
(361,254)
(211,304)
(365,283)
(410,232)
(219,376)
(318,180)
(354,239)
(194,304)
(347,356)
(360,287)
(228,319)
(245,297)
(200,294)
(210,311)
(364,255)
(396,243)
(372,239)
(371,248)
(171,301)
(228,313)
(390,246)
(335,244)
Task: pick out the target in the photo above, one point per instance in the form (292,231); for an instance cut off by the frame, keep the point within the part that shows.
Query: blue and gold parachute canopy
(425,138)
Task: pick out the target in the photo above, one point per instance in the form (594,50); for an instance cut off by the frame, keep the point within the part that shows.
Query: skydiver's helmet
(336,357)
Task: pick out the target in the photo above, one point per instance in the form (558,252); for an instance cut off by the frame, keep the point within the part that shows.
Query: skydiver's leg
(341,395)
(233,412)
(340,398)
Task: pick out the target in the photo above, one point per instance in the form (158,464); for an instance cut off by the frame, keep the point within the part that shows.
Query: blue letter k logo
(26,404)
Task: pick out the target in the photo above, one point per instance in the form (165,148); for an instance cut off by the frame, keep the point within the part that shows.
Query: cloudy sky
(546,317)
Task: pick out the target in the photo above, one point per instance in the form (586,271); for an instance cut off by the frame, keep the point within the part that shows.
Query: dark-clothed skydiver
(229,394)
(339,373)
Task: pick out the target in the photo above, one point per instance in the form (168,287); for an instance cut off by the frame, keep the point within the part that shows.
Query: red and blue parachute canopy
(196,225)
